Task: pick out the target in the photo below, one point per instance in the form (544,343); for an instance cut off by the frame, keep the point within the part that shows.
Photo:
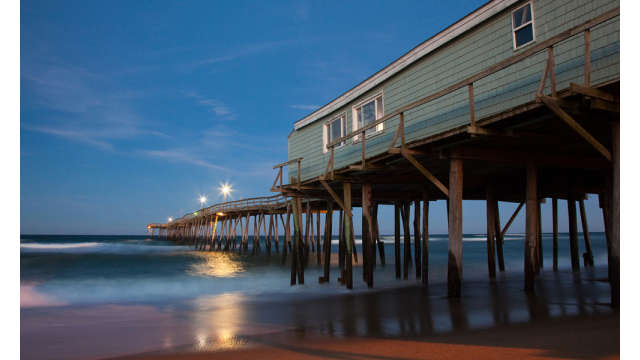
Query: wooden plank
(531,228)
(454,272)
(287,162)
(553,106)
(425,172)
(472,111)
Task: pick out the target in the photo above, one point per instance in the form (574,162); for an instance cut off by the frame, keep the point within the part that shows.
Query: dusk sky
(132,109)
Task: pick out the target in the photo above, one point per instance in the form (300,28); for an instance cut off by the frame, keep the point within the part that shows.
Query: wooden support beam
(454,274)
(615,219)
(593,93)
(368,234)
(491,224)
(555,108)
(377,233)
(587,57)
(588,255)
(425,172)
(328,220)
(425,237)
(554,205)
(531,228)
(342,249)
(348,235)
(333,194)
(499,237)
(573,234)
(513,216)
(540,260)
(417,249)
(405,212)
(398,262)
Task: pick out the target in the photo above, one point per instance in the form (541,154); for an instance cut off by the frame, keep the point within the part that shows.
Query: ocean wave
(60,245)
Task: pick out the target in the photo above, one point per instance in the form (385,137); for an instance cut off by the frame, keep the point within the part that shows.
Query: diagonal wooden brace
(335,197)
(552,104)
(407,155)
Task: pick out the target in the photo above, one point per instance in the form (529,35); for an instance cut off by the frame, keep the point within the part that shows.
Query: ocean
(86,297)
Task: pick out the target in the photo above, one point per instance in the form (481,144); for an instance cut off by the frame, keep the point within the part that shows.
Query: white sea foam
(60,245)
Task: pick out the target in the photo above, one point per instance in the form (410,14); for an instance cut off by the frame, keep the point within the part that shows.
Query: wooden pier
(559,140)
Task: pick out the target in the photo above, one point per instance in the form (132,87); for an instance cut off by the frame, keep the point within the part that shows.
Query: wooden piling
(540,262)
(588,255)
(573,234)
(318,252)
(425,237)
(454,273)
(397,210)
(491,224)
(531,228)
(417,250)
(328,220)
(554,206)
(615,217)
(348,235)
(405,211)
(377,234)
(342,248)
(499,235)
(369,254)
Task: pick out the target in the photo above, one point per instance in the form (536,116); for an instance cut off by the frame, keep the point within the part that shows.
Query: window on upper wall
(333,130)
(522,25)
(367,112)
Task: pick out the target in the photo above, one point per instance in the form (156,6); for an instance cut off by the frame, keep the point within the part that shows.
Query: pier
(554,138)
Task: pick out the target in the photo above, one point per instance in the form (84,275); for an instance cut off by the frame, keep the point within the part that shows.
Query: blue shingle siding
(472,52)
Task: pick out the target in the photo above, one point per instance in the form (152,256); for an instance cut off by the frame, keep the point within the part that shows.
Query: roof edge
(472,19)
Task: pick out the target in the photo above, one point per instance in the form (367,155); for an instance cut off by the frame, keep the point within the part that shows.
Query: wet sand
(568,318)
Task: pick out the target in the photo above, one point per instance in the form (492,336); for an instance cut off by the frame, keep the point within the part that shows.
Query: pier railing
(249,204)
(468,82)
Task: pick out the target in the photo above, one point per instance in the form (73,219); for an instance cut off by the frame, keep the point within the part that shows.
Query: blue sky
(132,109)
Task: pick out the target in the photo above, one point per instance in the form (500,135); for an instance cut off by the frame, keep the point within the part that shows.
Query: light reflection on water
(217,264)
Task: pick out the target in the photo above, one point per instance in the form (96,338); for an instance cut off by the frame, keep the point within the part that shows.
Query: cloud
(304,107)
(216,106)
(182,156)
(82,106)
(74,136)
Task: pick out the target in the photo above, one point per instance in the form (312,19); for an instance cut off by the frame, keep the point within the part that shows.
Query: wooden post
(491,223)
(539,238)
(397,238)
(531,228)
(588,255)
(327,240)
(554,205)
(573,233)
(294,253)
(425,237)
(499,237)
(587,57)
(348,234)
(298,239)
(405,211)
(454,274)
(367,235)
(615,218)
(318,252)
(342,248)
(417,239)
(307,245)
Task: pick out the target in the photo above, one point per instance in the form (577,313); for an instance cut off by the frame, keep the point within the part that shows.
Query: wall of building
(472,52)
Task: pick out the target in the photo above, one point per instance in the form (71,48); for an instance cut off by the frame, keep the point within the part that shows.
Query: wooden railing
(257,203)
(281,175)
(469,82)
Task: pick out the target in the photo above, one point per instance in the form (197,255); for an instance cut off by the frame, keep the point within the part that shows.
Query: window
(367,112)
(333,130)
(522,22)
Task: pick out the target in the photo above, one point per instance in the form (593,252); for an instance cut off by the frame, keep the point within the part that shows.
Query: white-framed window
(366,112)
(333,130)
(524,32)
